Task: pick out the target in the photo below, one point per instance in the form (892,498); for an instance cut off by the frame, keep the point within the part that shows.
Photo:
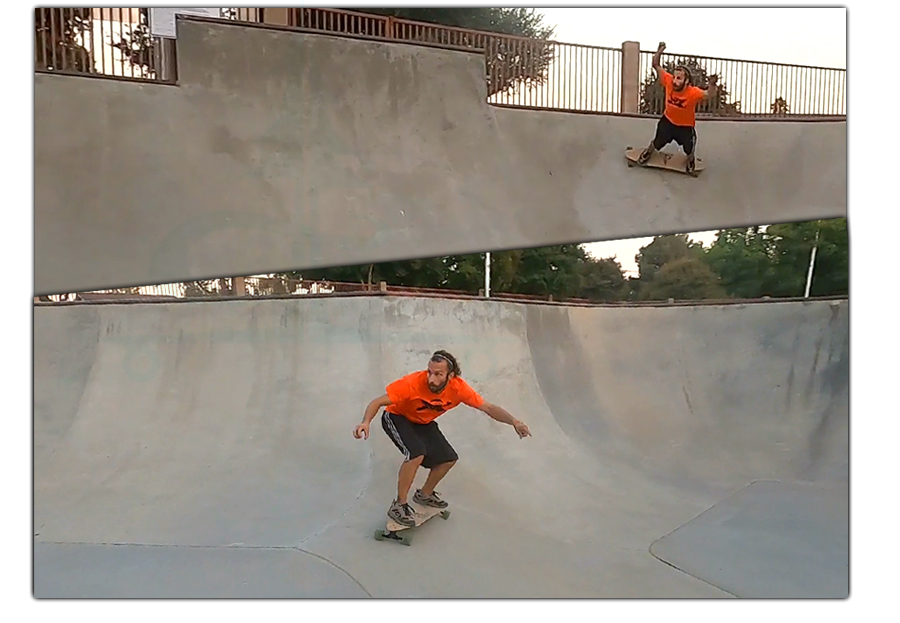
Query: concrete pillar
(382,286)
(631,77)
(278,16)
(239,286)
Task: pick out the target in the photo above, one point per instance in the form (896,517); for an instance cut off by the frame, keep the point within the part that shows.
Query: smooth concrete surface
(215,438)
(283,150)
(771,539)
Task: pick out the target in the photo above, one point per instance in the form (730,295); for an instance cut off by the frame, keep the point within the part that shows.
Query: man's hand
(661,48)
(713,80)
(521,429)
(361,431)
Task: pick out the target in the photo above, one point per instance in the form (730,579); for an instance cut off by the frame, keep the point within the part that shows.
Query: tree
(549,271)
(420,273)
(792,246)
(662,250)
(743,259)
(509,61)
(686,278)
(58,37)
(602,280)
(653,95)
(780,107)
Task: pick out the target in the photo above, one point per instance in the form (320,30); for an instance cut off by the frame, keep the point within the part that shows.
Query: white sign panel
(162,20)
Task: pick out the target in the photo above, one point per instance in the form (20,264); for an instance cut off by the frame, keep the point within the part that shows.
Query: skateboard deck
(664,160)
(393,529)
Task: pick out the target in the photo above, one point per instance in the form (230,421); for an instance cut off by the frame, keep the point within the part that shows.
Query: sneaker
(433,500)
(690,164)
(402,513)
(645,155)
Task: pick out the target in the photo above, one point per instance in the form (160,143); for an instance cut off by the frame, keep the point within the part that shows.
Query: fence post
(277,16)
(631,77)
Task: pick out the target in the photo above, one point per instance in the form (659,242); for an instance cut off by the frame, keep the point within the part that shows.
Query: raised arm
(502,415)
(656,56)
(711,92)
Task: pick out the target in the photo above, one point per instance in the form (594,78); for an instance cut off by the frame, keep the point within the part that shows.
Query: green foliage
(520,22)
(653,95)
(743,258)
(685,278)
(508,62)
(792,246)
(603,280)
(662,250)
(741,263)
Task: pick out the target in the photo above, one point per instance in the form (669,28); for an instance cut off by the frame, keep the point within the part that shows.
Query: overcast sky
(800,36)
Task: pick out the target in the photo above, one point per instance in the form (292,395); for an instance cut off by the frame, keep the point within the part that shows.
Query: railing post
(631,77)
(389,27)
(239,287)
(277,16)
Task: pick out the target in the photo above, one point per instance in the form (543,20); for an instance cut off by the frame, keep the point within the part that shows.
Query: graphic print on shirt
(438,406)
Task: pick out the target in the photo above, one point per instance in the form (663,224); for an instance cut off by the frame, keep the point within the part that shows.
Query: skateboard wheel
(379,535)
(445,514)
(405,539)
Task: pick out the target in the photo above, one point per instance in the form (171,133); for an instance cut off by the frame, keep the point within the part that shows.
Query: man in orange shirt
(412,404)
(678,122)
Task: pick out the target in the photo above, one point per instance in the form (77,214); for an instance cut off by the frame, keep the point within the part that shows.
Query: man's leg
(439,458)
(688,140)
(402,433)
(406,477)
(436,474)
(662,138)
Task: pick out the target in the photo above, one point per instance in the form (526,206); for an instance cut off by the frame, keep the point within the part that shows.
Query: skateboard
(422,514)
(664,160)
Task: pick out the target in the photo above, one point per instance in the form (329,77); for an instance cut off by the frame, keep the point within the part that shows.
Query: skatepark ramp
(205,449)
(282,150)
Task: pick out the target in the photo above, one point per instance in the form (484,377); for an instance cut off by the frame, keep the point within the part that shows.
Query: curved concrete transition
(204,449)
(282,150)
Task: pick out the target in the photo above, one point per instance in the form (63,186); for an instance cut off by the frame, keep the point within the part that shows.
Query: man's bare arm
(502,415)
(656,56)
(362,429)
(711,92)
(374,406)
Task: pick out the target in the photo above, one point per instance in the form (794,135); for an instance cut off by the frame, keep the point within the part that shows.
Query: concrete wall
(281,150)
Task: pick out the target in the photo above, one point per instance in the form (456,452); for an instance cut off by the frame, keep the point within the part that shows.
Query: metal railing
(276,287)
(533,73)
(519,72)
(99,41)
(751,88)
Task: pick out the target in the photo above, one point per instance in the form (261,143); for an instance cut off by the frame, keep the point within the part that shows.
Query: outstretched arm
(502,415)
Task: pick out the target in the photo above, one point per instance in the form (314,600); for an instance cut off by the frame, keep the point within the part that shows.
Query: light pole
(812,261)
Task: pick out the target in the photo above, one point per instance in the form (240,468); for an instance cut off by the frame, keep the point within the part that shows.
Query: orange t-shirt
(680,105)
(411,398)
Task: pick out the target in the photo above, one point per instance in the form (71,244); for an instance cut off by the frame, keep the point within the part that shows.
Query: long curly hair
(442,355)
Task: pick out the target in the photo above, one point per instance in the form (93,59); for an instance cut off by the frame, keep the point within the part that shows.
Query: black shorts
(666,132)
(415,440)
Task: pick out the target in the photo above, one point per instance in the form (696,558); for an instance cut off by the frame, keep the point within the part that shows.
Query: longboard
(422,514)
(664,160)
